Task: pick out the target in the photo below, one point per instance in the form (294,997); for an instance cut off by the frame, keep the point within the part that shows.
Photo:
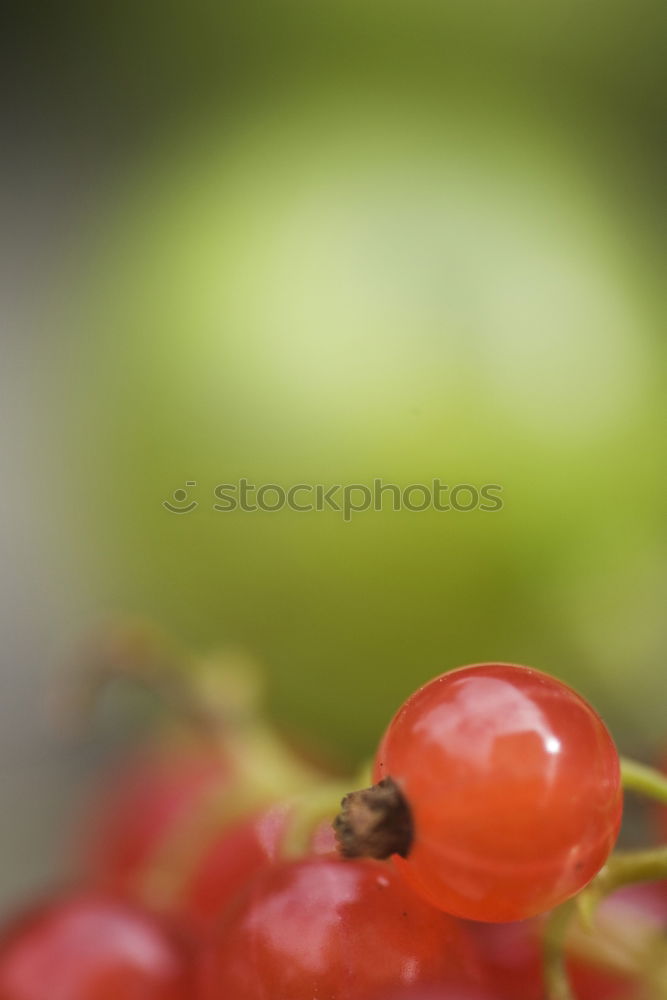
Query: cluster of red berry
(496,798)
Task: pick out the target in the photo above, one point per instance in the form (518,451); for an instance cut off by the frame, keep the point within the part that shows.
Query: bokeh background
(326,243)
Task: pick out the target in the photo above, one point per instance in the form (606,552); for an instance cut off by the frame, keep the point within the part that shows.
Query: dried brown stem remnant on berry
(375,823)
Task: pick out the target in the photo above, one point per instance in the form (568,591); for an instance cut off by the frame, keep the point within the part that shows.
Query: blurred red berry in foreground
(144,805)
(444,993)
(88,947)
(166,818)
(329,928)
(228,863)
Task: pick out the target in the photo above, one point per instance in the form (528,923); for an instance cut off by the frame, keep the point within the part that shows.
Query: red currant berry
(510,789)
(323,927)
(444,993)
(152,821)
(512,956)
(147,803)
(240,852)
(87,947)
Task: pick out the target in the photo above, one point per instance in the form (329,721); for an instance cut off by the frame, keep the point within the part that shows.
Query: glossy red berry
(327,928)
(87,947)
(513,785)
(451,992)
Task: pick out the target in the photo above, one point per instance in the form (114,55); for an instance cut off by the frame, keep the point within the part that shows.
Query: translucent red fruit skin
(323,927)
(87,947)
(514,786)
(445,993)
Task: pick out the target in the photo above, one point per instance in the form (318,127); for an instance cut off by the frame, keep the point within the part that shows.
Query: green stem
(623,868)
(555,972)
(644,780)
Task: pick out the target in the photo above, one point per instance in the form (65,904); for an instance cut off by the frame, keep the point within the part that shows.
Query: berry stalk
(644,780)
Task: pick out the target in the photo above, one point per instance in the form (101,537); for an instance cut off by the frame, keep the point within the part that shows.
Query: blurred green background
(328,244)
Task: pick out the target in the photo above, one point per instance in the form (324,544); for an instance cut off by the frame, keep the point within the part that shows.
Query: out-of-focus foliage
(408,240)
(134,57)
(356,288)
